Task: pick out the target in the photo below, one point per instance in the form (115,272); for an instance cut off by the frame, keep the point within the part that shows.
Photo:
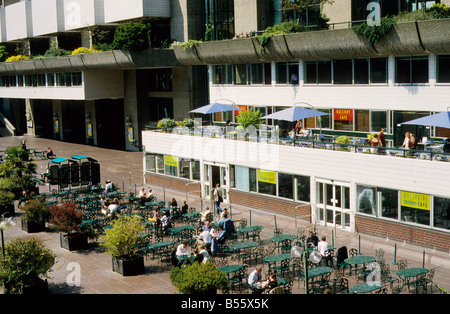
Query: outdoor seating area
(345,272)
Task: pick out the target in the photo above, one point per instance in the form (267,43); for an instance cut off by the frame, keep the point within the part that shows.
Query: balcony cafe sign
(170,161)
(415,200)
(343,114)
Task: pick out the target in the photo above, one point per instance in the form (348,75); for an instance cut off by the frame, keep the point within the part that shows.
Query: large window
(285,185)
(366,201)
(267,182)
(260,73)
(219,19)
(303,188)
(389,203)
(342,71)
(287,73)
(160,80)
(442,212)
(317,72)
(223,74)
(378,70)
(240,74)
(443,69)
(411,70)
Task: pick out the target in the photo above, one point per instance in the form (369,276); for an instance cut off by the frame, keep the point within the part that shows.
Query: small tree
(249,118)
(66,217)
(24,262)
(15,163)
(120,240)
(132,36)
(36,211)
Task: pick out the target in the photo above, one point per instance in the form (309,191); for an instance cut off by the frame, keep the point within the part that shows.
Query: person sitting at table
(106,204)
(228,224)
(223,213)
(304,132)
(271,283)
(113,208)
(207,226)
(142,192)
(221,235)
(312,239)
(108,187)
(198,257)
(206,215)
(166,223)
(184,208)
(254,278)
(322,247)
(183,249)
(202,250)
(204,238)
(292,134)
(50,153)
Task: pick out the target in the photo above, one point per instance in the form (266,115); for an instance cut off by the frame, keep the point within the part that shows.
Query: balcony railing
(433,152)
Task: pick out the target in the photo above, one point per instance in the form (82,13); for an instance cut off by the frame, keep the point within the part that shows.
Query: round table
(244,245)
(360,259)
(365,287)
(318,271)
(412,272)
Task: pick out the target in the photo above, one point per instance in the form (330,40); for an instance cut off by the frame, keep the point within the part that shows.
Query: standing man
(381,138)
(218,198)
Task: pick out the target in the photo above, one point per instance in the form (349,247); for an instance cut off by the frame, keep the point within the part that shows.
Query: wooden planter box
(129,267)
(32,227)
(74,242)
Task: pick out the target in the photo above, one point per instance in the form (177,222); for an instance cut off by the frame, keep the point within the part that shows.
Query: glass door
(216,174)
(333,203)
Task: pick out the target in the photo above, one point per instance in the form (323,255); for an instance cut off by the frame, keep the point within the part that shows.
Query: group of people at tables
(207,240)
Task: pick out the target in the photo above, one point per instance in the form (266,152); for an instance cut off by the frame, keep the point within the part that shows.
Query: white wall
(18,20)
(119,10)
(75,93)
(82,13)
(47,16)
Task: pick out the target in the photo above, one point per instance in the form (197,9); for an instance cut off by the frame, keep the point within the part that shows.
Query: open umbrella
(215,107)
(440,120)
(294,114)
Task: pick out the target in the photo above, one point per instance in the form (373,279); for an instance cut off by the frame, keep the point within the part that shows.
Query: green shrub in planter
(121,241)
(36,214)
(199,278)
(7,202)
(167,123)
(24,264)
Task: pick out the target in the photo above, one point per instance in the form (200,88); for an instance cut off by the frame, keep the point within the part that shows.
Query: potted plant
(121,242)
(36,214)
(25,265)
(199,278)
(345,140)
(67,217)
(7,203)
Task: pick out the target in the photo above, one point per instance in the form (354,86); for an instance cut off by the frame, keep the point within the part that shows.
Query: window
(170,165)
(443,69)
(240,74)
(379,119)
(362,120)
(267,182)
(411,70)
(40,79)
(159,163)
(242,176)
(51,79)
(160,80)
(257,73)
(285,185)
(20,80)
(343,119)
(189,169)
(378,70)
(252,180)
(223,74)
(76,79)
(366,202)
(303,188)
(150,162)
(287,73)
(389,203)
(361,70)
(342,71)
(415,207)
(442,212)
(60,79)
(219,18)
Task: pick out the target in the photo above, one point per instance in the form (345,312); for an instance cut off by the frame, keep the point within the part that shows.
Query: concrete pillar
(130,103)
(91,122)
(57,120)
(31,129)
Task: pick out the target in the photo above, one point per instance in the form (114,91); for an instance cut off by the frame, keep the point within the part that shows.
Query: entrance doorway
(216,174)
(333,204)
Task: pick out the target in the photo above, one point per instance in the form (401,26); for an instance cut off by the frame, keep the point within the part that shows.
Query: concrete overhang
(409,38)
(105,60)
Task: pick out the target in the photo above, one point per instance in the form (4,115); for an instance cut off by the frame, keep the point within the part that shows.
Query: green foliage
(188,44)
(120,240)
(102,39)
(132,36)
(15,184)
(6,198)
(66,217)
(15,162)
(24,262)
(249,118)
(440,11)
(187,123)
(301,5)
(3,54)
(167,123)
(199,278)
(55,51)
(375,33)
(343,139)
(36,211)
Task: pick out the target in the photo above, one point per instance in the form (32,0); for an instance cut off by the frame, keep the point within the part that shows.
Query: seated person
(183,249)
(202,250)
(184,208)
(204,238)
(165,222)
(198,257)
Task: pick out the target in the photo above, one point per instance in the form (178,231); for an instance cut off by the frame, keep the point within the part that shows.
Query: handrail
(9,126)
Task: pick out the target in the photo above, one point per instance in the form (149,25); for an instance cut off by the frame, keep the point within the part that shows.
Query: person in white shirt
(183,249)
(142,193)
(204,238)
(202,250)
(322,247)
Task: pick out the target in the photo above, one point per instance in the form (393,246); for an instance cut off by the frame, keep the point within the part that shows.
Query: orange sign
(343,114)
(236,112)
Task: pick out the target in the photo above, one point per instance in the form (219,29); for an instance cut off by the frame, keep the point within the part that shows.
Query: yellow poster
(170,161)
(130,134)
(415,200)
(56,126)
(89,129)
(267,176)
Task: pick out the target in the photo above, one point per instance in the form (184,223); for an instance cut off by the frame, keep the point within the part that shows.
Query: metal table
(366,287)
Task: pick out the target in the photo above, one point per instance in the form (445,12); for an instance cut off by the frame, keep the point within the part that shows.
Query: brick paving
(125,169)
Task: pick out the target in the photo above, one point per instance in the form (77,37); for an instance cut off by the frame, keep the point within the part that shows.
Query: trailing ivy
(375,33)
(190,44)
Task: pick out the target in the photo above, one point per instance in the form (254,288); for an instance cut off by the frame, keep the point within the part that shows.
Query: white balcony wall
(405,174)
(18,19)
(83,13)
(65,93)
(47,16)
(119,10)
